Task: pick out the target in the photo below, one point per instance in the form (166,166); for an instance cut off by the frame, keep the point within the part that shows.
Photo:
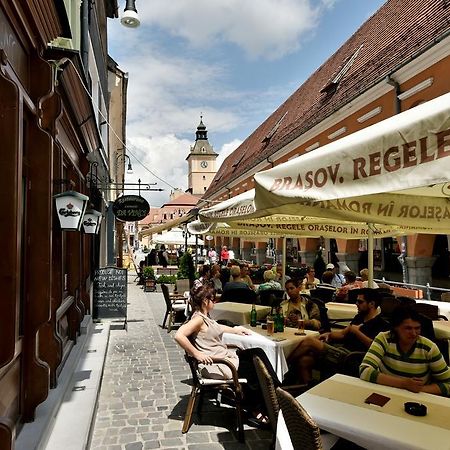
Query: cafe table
(338,406)
(277,347)
(238,313)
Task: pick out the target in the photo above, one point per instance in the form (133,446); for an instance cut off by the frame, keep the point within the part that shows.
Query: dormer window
(203,150)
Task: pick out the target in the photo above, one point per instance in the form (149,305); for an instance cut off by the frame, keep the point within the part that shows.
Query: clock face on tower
(204,164)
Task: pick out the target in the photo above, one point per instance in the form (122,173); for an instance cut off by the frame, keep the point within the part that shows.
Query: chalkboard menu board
(110,293)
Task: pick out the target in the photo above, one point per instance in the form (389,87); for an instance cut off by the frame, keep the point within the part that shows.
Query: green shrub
(166,279)
(148,273)
(186,269)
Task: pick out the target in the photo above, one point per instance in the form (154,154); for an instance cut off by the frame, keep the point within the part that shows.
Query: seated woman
(403,358)
(201,337)
(300,307)
(215,280)
(310,281)
(269,282)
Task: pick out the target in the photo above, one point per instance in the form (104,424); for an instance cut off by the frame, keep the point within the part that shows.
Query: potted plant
(186,273)
(149,279)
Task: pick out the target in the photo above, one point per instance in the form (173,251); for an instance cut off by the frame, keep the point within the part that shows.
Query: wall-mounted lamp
(71,206)
(130,17)
(125,157)
(91,221)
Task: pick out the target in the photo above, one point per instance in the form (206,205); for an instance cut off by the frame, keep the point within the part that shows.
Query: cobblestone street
(145,389)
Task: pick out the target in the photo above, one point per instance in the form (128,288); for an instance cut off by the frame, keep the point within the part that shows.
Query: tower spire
(201,133)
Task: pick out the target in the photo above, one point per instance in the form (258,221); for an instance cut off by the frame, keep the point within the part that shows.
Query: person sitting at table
(404,359)
(338,278)
(205,275)
(350,283)
(310,281)
(364,275)
(325,291)
(299,307)
(330,349)
(269,282)
(245,277)
(201,337)
(235,279)
(215,280)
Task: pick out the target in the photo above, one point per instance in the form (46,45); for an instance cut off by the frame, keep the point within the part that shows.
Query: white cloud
(262,28)
(226,150)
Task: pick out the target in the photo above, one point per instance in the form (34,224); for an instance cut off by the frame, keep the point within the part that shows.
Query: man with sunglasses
(330,349)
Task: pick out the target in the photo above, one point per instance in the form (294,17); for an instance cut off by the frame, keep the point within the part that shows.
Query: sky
(233,61)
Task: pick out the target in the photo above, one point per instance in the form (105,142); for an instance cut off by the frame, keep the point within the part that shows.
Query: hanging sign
(130,208)
(70,206)
(91,221)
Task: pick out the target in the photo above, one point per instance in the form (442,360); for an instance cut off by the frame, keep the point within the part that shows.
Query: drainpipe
(403,245)
(84,38)
(269,161)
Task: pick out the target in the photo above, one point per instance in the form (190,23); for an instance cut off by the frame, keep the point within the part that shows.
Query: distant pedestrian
(163,256)
(224,256)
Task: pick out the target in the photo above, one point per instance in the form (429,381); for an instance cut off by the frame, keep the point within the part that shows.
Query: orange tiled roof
(183,200)
(398,31)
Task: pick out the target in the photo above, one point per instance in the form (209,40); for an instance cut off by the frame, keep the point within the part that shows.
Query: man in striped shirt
(403,358)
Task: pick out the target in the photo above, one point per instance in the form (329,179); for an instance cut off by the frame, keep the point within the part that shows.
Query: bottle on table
(270,323)
(253,316)
(279,324)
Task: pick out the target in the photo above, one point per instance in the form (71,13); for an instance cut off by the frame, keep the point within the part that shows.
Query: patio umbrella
(395,173)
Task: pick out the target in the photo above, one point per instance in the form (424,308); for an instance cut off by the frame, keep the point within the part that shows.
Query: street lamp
(130,17)
(70,206)
(125,157)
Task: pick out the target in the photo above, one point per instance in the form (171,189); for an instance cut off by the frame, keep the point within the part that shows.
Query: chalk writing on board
(110,293)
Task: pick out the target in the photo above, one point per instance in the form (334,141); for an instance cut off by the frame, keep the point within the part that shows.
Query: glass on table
(300,327)
(270,326)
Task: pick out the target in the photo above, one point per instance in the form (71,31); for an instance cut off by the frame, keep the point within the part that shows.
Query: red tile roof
(183,200)
(397,32)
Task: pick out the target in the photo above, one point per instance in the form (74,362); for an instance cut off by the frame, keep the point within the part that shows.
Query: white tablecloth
(238,313)
(277,348)
(370,427)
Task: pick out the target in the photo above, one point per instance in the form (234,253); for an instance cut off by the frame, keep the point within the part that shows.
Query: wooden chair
(268,389)
(304,432)
(239,295)
(200,385)
(174,309)
(271,297)
(429,310)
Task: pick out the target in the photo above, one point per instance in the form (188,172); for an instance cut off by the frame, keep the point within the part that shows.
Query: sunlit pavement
(144,390)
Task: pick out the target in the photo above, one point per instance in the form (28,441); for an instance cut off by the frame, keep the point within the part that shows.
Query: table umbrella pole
(370,253)
(283,262)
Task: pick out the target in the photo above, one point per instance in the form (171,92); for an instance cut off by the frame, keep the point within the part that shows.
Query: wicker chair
(304,433)
(174,309)
(200,385)
(268,389)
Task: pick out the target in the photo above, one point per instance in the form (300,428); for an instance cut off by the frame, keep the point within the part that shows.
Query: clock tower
(201,162)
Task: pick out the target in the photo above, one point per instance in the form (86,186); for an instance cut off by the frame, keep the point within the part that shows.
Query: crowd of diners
(395,352)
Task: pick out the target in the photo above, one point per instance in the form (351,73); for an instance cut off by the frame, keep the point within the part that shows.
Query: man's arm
(363,338)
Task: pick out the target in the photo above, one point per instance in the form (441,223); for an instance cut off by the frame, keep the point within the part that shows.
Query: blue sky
(235,61)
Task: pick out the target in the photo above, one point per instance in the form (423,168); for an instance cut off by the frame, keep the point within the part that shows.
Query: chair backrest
(271,297)
(428,310)
(304,432)
(445,297)
(268,390)
(324,320)
(239,295)
(165,291)
(351,363)
(326,295)
(406,301)
(387,305)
